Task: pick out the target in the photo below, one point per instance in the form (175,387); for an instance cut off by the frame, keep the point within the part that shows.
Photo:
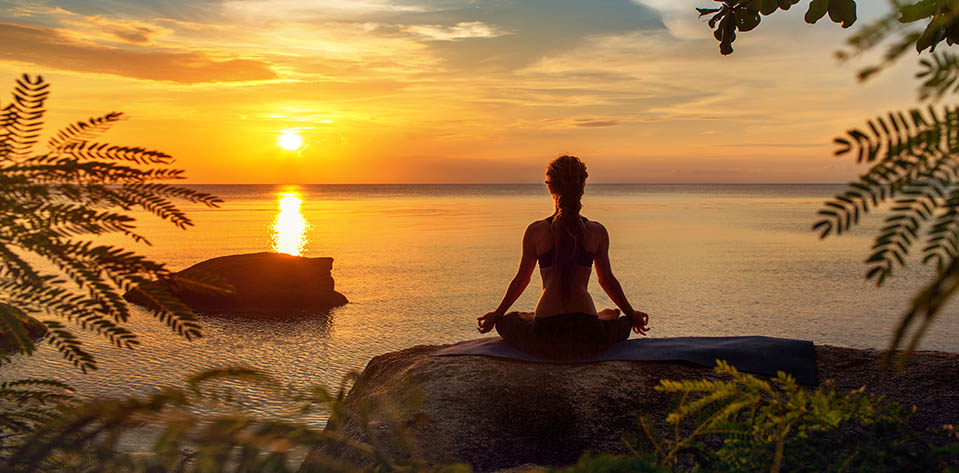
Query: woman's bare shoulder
(597,232)
(595,227)
(538,226)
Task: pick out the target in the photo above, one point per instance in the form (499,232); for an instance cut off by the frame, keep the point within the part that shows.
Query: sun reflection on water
(289,227)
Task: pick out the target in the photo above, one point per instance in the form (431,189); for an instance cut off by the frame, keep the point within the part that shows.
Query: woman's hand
(486,322)
(640,320)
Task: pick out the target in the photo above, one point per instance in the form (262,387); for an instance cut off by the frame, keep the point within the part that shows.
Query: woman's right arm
(609,283)
(527,264)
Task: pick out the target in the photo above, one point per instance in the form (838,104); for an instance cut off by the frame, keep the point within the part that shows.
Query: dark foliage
(53,203)
(747,424)
(912,156)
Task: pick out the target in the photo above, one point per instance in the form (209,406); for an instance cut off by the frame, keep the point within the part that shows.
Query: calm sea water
(420,263)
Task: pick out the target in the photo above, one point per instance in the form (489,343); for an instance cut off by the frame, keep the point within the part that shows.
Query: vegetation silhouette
(52,203)
(913,155)
(205,426)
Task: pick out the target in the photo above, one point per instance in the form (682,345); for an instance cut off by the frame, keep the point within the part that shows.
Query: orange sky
(451,90)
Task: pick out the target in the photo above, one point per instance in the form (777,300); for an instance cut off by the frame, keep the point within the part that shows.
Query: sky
(453,91)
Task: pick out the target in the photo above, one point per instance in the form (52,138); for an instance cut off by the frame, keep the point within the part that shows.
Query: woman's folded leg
(517,331)
(617,330)
(562,337)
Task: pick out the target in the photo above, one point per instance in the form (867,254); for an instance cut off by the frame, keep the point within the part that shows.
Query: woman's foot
(608,314)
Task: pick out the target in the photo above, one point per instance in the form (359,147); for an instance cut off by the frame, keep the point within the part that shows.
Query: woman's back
(573,296)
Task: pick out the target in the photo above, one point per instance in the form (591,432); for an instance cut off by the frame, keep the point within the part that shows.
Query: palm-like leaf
(53,201)
(914,159)
(940,74)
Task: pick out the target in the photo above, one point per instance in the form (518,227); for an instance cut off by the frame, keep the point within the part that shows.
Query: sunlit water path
(420,263)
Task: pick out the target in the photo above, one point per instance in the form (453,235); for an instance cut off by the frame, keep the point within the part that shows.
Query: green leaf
(817,9)
(918,11)
(747,20)
(768,7)
(785,4)
(842,12)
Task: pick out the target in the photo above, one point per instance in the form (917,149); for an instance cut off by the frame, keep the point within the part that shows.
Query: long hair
(567,178)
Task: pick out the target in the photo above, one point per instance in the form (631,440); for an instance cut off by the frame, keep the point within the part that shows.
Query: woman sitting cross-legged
(565,324)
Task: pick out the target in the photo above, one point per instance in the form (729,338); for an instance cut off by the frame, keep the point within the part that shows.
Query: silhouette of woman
(565,324)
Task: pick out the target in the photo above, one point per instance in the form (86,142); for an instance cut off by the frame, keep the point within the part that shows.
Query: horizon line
(517,184)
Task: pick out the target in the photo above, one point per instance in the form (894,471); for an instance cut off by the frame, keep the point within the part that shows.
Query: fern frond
(93,151)
(199,282)
(687,385)
(924,309)
(174,192)
(943,237)
(53,202)
(940,74)
(917,205)
(75,308)
(108,298)
(71,170)
(169,310)
(69,346)
(17,268)
(902,147)
(157,205)
(83,131)
(915,166)
(13,326)
(22,119)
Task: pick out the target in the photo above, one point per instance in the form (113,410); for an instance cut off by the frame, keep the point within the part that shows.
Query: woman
(565,324)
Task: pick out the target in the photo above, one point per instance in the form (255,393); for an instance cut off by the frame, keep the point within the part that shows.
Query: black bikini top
(581,257)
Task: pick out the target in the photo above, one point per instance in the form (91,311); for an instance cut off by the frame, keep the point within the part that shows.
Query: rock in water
(35,330)
(494,413)
(262,282)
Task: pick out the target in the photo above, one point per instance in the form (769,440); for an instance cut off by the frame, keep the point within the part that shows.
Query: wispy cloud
(590,123)
(461,30)
(99,28)
(49,47)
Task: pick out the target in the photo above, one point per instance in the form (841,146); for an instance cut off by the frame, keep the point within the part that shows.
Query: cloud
(49,47)
(536,28)
(127,31)
(461,30)
(193,10)
(589,123)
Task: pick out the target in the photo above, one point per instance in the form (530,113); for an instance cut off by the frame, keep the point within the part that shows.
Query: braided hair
(567,179)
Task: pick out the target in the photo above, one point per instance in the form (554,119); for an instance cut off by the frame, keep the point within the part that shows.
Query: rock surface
(496,414)
(262,282)
(35,330)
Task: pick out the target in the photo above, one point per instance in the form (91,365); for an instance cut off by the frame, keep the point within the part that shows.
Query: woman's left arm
(527,264)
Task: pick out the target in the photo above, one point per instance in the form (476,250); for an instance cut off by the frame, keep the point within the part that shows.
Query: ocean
(419,263)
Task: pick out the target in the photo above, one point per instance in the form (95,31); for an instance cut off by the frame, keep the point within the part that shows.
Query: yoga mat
(751,354)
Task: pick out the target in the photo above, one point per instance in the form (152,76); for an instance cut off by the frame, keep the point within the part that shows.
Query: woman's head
(566,178)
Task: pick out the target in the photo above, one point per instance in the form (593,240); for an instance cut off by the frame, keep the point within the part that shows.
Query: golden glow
(351,92)
(289,227)
(290,141)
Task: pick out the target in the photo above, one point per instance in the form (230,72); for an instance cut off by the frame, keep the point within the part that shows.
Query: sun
(290,141)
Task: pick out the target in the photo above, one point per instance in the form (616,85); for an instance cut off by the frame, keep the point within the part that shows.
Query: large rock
(263,282)
(495,414)
(35,330)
